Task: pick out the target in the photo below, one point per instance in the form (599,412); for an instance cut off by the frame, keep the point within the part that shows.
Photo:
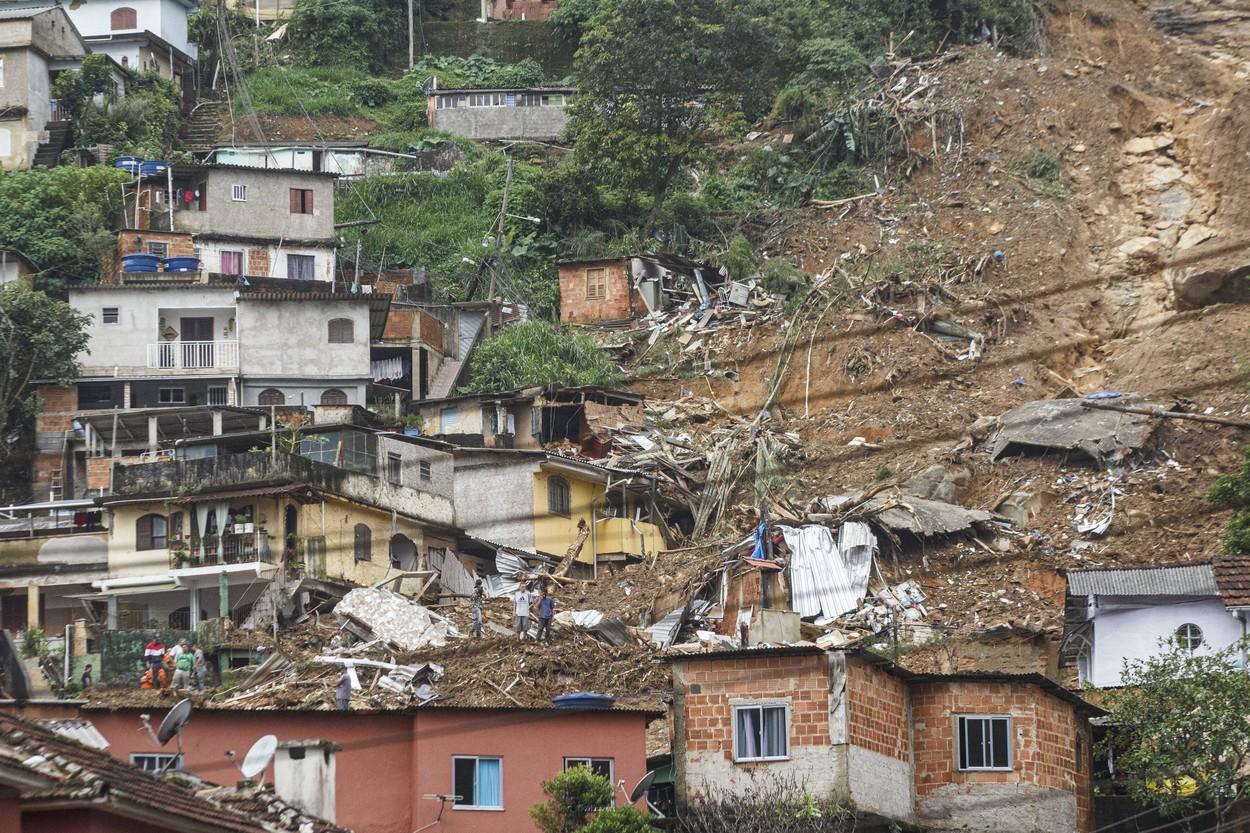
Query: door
(197,342)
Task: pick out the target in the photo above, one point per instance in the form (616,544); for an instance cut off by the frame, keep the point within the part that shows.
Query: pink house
(385,772)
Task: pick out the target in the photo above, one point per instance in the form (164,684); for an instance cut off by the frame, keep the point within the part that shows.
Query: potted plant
(412,425)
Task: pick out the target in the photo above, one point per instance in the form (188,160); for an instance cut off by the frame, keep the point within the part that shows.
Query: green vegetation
(1178,726)
(572,796)
(61,219)
(1043,169)
(144,123)
(536,353)
(1232,491)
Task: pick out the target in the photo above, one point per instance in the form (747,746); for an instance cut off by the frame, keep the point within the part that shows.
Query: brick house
(968,751)
(598,290)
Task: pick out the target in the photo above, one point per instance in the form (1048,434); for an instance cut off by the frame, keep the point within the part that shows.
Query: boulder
(1210,272)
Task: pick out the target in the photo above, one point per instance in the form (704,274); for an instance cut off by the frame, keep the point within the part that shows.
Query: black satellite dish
(641,789)
(171,726)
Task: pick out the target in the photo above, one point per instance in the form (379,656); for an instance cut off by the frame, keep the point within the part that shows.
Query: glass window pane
(1001,742)
(748,733)
(976,741)
(489,783)
(464,770)
(774,732)
(602,766)
(961,732)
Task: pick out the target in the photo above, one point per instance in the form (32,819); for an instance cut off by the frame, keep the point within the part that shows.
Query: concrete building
(35,44)
(352,160)
(15,267)
(1133,613)
(968,752)
(237,219)
(517,113)
(518,9)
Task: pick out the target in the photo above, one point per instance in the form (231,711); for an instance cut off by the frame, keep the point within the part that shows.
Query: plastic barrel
(181,264)
(130,164)
(584,700)
(140,263)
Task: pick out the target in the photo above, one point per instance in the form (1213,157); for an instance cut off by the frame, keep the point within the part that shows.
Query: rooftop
(1189,579)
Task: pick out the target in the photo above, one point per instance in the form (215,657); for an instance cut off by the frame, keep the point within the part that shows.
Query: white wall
(210,257)
(173,25)
(303,393)
(291,339)
(166,18)
(117,50)
(1134,633)
(495,497)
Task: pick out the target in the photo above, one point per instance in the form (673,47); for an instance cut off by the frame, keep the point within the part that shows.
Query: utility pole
(503,212)
(410,50)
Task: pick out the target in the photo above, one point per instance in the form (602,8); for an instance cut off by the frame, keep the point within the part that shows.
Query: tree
(620,820)
(1179,728)
(655,80)
(74,89)
(61,218)
(40,338)
(536,353)
(1232,491)
(573,795)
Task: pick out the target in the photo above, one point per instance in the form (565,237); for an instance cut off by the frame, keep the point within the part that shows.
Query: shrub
(573,795)
(370,92)
(536,353)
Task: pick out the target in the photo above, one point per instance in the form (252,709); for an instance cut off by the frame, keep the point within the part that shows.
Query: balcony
(194,355)
(236,548)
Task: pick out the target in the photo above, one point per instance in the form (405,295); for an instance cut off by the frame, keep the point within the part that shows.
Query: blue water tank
(140,263)
(130,164)
(153,168)
(584,700)
(181,264)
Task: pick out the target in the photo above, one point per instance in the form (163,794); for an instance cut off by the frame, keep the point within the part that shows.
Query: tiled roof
(1232,575)
(50,766)
(1176,580)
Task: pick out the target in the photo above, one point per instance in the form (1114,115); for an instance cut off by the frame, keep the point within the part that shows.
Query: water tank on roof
(181,264)
(140,263)
(130,164)
(584,700)
(153,168)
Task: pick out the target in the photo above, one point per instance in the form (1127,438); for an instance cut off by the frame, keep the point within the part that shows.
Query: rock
(1173,204)
(1163,177)
(1144,247)
(939,482)
(1195,235)
(1148,144)
(1078,148)
(1204,275)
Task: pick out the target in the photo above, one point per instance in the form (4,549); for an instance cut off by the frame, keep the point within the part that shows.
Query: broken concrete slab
(924,518)
(1063,425)
(393,618)
(938,482)
(1210,272)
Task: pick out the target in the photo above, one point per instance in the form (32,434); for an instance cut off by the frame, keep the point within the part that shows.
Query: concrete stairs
(201,131)
(444,381)
(60,136)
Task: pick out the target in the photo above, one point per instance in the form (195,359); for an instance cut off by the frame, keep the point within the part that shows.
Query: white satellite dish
(259,756)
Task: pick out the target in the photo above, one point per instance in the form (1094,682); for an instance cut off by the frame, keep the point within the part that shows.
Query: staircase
(201,131)
(445,379)
(60,135)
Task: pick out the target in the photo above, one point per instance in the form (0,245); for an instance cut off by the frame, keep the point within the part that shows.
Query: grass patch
(1043,169)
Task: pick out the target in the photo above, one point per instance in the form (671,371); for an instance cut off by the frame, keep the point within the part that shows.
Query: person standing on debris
(344,692)
(546,609)
(198,666)
(154,656)
(475,608)
(178,650)
(86,677)
(184,662)
(521,601)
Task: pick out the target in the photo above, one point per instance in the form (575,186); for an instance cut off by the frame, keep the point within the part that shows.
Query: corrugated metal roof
(83,731)
(826,580)
(1177,580)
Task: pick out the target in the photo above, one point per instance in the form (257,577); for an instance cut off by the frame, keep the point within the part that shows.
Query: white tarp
(825,581)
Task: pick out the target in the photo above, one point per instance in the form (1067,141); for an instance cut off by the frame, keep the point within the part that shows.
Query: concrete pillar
(125,394)
(223,593)
(196,614)
(32,606)
(154,435)
(217,429)
(111,619)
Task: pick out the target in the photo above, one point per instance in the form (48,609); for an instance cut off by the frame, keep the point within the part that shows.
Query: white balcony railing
(190,355)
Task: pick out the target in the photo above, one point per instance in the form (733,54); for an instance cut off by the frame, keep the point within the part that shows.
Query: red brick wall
(1044,730)
(98,469)
(56,408)
(877,710)
(708,715)
(621,300)
(258,262)
(432,330)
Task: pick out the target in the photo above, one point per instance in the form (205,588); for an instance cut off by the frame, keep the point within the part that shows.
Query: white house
(1131,613)
(35,44)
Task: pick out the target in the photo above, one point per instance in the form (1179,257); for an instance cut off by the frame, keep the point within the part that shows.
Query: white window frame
(394,477)
(477,807)
(238,192)
(104,316)
(423,470)
(160,396)
(960,724)
(759,707)
(156,761)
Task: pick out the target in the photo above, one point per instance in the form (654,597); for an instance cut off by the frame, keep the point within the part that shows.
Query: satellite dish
(172,724)
(259,756)
(643,785)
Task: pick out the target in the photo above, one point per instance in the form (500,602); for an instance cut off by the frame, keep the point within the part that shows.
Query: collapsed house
(599,290)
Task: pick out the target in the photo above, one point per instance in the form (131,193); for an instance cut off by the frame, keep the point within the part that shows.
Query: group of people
(524,601)
(182,666)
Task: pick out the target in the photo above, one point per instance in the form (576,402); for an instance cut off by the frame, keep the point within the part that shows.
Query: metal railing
(235,548)
(193,354)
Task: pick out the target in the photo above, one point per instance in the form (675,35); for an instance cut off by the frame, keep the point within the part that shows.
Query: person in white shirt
(522,600)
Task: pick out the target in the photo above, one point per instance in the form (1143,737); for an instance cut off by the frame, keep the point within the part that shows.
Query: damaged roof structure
(1102,437)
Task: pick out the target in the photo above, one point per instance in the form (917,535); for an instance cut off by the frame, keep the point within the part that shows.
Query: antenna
(641,789)
(171,727)
(258,757)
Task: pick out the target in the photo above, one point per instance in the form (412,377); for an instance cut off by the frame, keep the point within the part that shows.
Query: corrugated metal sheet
(824,580)
(83,731)
(1182,580)
(664,632)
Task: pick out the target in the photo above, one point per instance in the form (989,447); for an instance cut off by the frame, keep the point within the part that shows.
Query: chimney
(303,775)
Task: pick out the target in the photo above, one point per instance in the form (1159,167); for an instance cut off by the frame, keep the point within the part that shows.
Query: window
(490,419)
(448,420)
(123,18)
(342,331)
(232,263)
(1079,753)
(301,267)
(355,450)
(761,733)
(111,315)
(394,471)
(161,250)
(150,533)
(558,502)
(1189,637)
(423,469)
(271,396)
(364,543)
(238,193)
(477,783)
(301,201)
(156,761)
(217,395)
(596,283)
(95,395)
(536,421)
(333,396)
(984,742)
(172,396)
(599,766)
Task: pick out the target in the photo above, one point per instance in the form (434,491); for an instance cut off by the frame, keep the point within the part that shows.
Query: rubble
(1063,425)
(898,512)
(394,619)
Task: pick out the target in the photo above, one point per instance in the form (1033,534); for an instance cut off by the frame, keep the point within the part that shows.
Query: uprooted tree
(1179,728)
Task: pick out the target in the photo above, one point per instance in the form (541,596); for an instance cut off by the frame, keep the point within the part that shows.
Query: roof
(463,91)
(1193,579)
(219,166)
(1232,577)
(1043,682)
(46,767)
(749,653)
(301,492)
(144,35)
